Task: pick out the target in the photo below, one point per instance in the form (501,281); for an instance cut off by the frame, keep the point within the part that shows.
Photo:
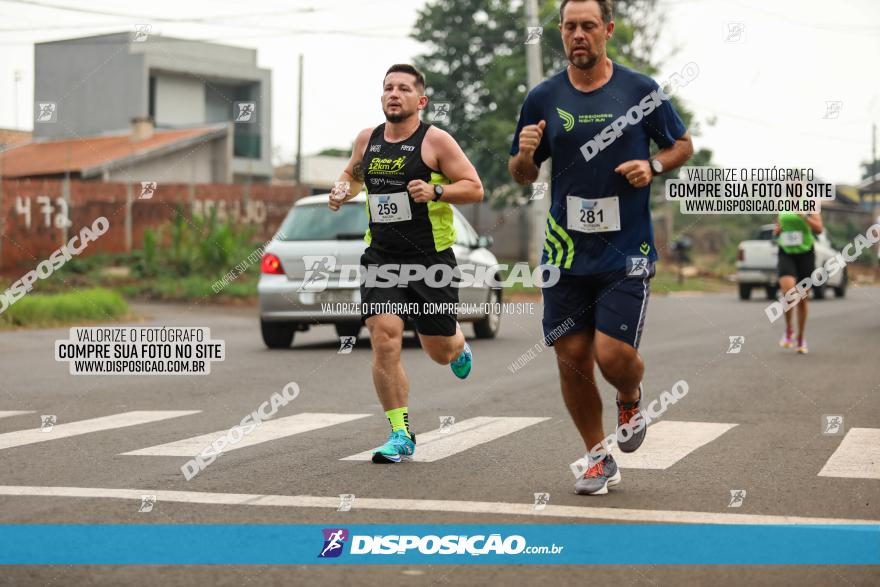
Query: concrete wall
(508,226)
(197,167)
(100,83)
(217,106)
(180,100)
(97,84)
(185,51)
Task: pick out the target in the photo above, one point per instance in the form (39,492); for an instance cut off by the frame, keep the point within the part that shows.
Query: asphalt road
(772,401)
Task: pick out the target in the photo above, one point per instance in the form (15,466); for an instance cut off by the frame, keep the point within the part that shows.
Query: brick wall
(33,214)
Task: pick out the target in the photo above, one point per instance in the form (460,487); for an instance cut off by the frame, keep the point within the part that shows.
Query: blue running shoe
(462,365)
(397,449)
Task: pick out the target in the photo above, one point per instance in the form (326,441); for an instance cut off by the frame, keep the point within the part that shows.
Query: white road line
(668,442)
(266,431)
(857,457)
(435,445)
(9,413)
(425,505)
(23,437)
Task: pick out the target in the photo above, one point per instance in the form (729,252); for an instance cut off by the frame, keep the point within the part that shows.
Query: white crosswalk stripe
(266,431)
(10,413)
(66,430)
(435,445)
(857,457)
(669,441)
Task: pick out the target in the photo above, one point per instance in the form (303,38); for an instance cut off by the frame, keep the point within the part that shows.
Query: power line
(211,19)
(217,21)
(847,29)
(771,123)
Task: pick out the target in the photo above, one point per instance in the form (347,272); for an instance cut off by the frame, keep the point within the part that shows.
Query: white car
(757,265)
(311,229)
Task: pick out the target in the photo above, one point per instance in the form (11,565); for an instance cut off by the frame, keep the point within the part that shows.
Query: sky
(767,70)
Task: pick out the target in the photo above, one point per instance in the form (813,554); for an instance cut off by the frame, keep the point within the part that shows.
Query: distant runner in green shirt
(797,260)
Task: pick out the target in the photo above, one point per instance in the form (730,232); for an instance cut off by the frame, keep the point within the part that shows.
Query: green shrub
(36,309)
(197,246)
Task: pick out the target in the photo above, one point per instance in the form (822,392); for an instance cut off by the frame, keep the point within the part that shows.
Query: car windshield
(317,222)
(765,234)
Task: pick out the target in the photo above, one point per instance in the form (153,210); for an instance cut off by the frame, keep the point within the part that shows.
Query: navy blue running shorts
(612,302)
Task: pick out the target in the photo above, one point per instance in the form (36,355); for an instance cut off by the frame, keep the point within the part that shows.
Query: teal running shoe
(462,365)
(397,449)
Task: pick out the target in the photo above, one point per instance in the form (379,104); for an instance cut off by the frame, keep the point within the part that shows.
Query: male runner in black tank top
(412,171)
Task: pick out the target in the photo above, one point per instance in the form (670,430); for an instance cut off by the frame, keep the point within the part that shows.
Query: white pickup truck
(756,266)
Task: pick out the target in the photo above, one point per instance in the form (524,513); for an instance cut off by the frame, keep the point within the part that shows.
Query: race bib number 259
(390,207)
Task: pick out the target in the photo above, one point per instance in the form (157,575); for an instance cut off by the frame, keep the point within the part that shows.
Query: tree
(476,62)
(335,152)
(868,169)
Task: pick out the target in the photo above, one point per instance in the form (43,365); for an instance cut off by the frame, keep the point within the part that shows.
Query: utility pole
(16,77)
(873,169)
(299,122)
(539,208)
(872,181)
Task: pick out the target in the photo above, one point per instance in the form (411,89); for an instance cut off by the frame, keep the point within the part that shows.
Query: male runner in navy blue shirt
(595,121)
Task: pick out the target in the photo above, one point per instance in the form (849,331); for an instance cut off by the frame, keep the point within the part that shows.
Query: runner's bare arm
(815,222)
(522,166)
(522,169)
(353,172)
(677,154)
(638,171)
(465,186)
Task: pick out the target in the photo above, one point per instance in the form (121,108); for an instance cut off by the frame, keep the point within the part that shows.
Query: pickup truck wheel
(745,291)
(840,290)
(818,292)
(771,292)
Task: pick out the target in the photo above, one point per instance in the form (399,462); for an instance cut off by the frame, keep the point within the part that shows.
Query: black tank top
(388,168)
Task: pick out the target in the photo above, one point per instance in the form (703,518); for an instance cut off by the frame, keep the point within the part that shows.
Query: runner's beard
(583,61)
(399,116)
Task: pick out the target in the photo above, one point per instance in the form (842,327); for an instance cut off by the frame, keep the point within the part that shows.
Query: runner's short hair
(604,5)
(407,68)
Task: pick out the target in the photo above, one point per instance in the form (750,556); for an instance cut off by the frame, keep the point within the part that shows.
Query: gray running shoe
(626,414)
(598,478)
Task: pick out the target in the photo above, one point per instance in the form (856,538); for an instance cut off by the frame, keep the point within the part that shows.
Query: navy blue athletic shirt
(574,118)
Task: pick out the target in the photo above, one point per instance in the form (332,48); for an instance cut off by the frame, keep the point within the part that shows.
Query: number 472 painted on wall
(62,219)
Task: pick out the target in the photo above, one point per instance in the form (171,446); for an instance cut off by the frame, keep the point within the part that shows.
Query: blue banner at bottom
(600,544)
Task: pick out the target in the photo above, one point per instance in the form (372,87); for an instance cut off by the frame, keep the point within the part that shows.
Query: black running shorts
(798,265)
(430,307)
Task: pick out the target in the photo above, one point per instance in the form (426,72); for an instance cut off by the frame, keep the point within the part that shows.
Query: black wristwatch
(438,191)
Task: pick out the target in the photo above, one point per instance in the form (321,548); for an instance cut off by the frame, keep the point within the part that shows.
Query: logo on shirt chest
(569,119)
(386,165)
(407,147)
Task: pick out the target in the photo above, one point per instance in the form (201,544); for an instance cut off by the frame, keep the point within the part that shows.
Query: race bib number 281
(600,215)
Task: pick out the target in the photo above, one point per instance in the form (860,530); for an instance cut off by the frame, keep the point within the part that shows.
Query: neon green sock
(399,419)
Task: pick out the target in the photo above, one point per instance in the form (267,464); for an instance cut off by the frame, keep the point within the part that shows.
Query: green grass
(59,309)
(193,287)
(667,281)
(519,289)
